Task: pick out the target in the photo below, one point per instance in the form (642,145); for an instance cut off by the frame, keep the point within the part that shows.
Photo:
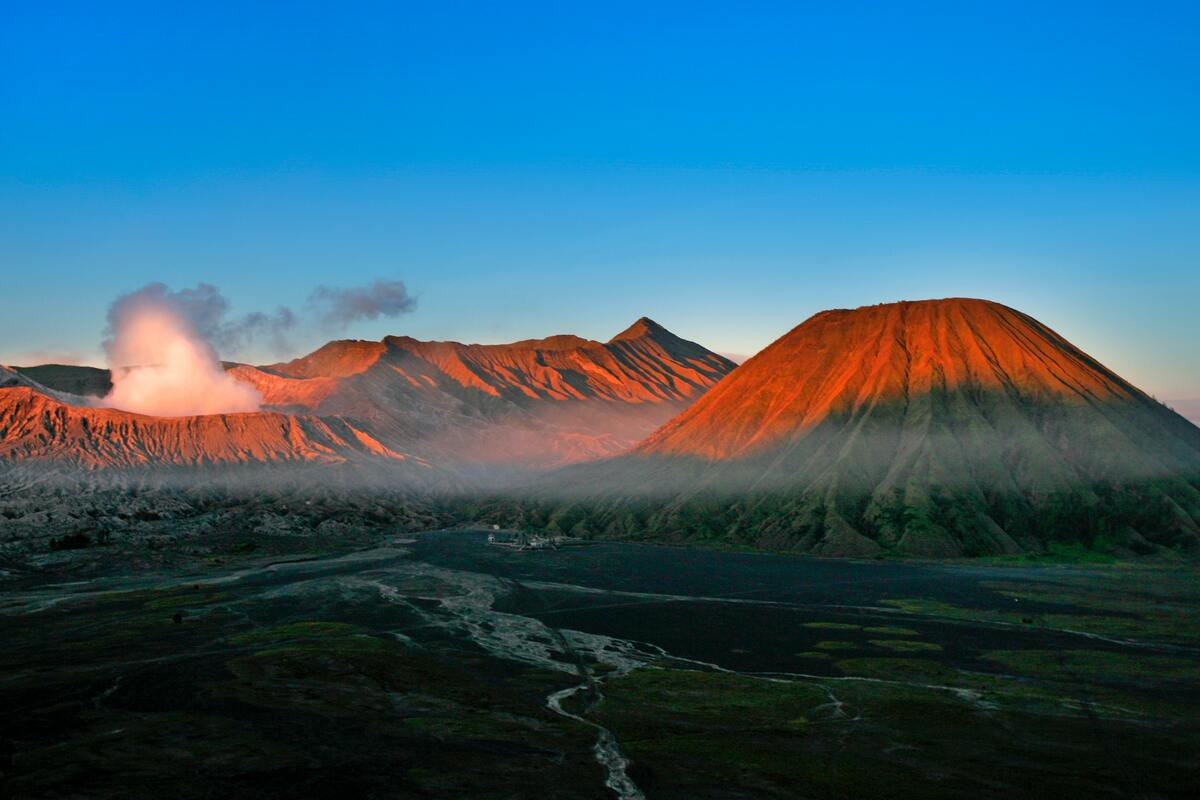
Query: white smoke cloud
(162,344)
(162,359)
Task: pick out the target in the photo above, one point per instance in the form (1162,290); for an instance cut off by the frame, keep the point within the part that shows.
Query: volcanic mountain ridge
(529,404)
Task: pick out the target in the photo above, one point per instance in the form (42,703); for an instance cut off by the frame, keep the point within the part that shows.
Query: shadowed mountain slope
(933,428)
(70,378)
(645,363)
(531,403)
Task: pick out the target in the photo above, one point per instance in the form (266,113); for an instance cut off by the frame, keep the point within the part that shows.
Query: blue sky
(530,169)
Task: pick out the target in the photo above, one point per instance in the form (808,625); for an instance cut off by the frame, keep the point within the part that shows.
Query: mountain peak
(642,328)
(337,359)
(850,361)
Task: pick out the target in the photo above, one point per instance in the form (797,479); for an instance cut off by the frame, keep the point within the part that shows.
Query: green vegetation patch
(1150,605)
(1096,663)
(471,726)
(891,630)
(332,674)
(705,734)
(835,645)
(346,646)
(682,698)
(905,646)
(1073,553)
(298,630)
(189,599)
(832,626)
(936,608)
(909,670)
(1126,626)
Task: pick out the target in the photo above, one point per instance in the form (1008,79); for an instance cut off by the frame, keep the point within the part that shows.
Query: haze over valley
(933,428)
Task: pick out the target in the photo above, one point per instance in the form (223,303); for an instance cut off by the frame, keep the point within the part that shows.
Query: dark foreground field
(440,666)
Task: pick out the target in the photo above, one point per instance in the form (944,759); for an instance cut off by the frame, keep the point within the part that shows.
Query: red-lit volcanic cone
(939,427)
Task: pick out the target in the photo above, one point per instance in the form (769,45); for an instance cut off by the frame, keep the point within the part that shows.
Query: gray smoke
(257,326)
(339,307)
(163,345)
(201,309)
(204,311)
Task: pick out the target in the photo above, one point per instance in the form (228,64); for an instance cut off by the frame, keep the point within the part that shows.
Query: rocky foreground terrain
(77,525)
(251,662)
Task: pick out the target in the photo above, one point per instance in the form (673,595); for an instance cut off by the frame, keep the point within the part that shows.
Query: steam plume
(162,344)
(161,354)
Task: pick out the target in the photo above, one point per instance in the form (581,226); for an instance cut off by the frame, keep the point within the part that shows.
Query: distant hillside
(87,381)
(533,403)
(934,428)
(488,408)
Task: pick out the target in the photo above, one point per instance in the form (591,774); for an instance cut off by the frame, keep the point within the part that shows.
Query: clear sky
(529,169)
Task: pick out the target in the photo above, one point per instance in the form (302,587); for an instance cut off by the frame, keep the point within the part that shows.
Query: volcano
(529,404)
(934,428)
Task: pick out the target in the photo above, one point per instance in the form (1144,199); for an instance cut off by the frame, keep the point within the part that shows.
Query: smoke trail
(162,360)
(339,307)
